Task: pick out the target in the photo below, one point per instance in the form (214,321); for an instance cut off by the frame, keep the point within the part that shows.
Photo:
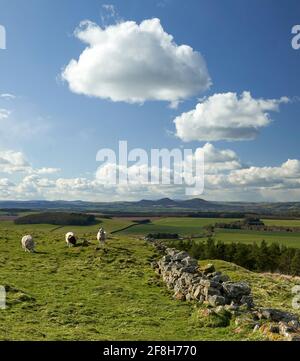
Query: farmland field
(282,222)
(187,226)
(181,225)
(288,239)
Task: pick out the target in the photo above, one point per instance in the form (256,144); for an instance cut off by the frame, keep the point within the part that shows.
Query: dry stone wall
(188,282)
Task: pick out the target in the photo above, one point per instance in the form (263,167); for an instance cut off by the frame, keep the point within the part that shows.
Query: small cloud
(7,96)
(295,99)
(109,14)
(174,104)
(163,3)
(4,113)
(110,9)
(170,133)
(12,161)
(45,170)
(227,116)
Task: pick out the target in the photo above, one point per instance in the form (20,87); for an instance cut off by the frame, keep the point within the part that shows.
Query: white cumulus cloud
(7,96)
(219,160)
(286,175)
(226,116)
(226,178)
(4,113)
(15,162)
(12,161)
(134,63)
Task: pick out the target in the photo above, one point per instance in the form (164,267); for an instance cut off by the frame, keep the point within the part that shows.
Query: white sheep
(71,239)
(27,243)
(101,236)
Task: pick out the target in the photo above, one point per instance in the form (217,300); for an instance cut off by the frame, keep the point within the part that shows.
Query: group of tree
(217,215)
(254,223)
(58,218)
(163,235)
(260,258)
(142,221)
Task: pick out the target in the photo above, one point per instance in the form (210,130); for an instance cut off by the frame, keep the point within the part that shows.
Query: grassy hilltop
(85,293)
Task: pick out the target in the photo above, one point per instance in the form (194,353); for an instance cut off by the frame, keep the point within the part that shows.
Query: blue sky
(246,46)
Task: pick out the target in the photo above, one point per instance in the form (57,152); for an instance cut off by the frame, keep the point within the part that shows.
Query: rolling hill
(164,205)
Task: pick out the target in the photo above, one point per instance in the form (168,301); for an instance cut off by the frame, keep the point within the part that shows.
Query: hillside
(86,293)
(57,218)
(164,205)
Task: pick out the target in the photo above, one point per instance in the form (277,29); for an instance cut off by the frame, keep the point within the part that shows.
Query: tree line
(255,257)
(252,223)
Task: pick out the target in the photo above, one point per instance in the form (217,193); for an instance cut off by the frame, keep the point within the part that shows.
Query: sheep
(71,239)
(101,236)
(27,243)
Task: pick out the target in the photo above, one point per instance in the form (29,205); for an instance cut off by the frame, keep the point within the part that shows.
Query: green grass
(289,239)
(282,222)
(86,293)
(269,290)
(187,226)
(109,225)
(181,225)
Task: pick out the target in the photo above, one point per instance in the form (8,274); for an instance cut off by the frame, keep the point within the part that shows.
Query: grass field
(282,222)
(87,293)
(109,225)
(242,236)
(187,226)
(181,225)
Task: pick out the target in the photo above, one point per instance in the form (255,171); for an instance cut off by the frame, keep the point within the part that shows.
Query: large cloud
(252,184)
(226,116)
(226,178)
(134,63)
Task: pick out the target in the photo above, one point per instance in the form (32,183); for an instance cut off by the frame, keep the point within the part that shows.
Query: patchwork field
(188,226)
(242,236)
(181,225)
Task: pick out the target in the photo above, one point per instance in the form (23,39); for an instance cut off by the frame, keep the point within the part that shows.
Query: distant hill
(164,205)
(167,202)
(164,202)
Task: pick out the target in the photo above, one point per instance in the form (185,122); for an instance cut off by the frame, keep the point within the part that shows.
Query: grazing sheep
(71,239)
(101,236)
(27,243)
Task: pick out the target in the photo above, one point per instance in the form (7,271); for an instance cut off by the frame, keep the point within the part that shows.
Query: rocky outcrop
(189,282)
